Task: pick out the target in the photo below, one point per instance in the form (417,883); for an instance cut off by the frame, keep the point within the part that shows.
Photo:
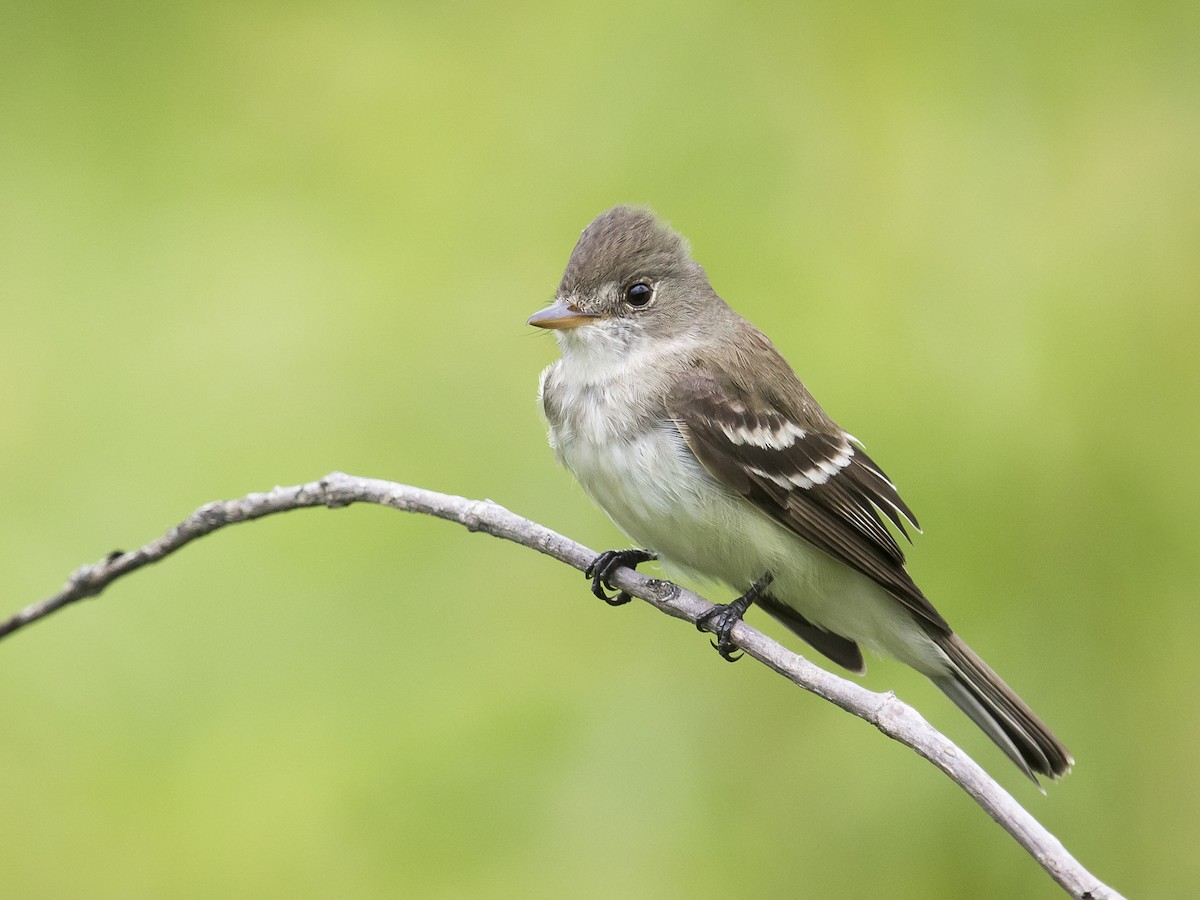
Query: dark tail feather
(1004,717)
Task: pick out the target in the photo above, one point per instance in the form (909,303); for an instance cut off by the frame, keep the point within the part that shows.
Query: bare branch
(891,716)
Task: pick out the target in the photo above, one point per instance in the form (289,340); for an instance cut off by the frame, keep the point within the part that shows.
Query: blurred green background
(246,244)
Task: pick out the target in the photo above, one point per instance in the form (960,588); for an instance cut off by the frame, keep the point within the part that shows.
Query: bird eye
(638,294)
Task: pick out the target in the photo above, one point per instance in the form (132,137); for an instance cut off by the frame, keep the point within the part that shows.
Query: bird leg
(723,616)
(607,563)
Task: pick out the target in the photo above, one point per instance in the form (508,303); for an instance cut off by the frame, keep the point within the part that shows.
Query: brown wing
(809,476)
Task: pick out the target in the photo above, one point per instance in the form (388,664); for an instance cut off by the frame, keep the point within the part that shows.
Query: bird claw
(602,568)
(723,616)
(725,653)
(720,621)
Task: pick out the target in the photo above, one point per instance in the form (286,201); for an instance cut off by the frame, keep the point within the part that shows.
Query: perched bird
(689,429)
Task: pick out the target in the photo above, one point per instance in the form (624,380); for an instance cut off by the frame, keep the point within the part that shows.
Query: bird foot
(723,616)
(606,564)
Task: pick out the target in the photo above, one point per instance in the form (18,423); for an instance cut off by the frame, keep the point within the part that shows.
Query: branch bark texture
(894,718)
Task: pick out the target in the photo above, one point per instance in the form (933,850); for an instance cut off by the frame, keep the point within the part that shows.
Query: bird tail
(994,706)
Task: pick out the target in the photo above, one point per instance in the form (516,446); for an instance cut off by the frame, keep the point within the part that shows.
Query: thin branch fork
(894,718)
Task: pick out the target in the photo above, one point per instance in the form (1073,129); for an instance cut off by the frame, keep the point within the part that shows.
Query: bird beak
(561,315)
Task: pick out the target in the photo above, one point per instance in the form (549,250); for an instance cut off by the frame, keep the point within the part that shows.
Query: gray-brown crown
(623,244)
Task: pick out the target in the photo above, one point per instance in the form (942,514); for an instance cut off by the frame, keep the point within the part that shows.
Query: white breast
(636,466)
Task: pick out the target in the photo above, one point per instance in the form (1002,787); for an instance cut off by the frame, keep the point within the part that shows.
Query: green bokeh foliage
(245,244)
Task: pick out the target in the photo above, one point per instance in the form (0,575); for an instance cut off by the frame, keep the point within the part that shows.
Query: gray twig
(891,716)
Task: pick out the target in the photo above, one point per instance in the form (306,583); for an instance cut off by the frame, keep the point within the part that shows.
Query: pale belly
(657,492)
